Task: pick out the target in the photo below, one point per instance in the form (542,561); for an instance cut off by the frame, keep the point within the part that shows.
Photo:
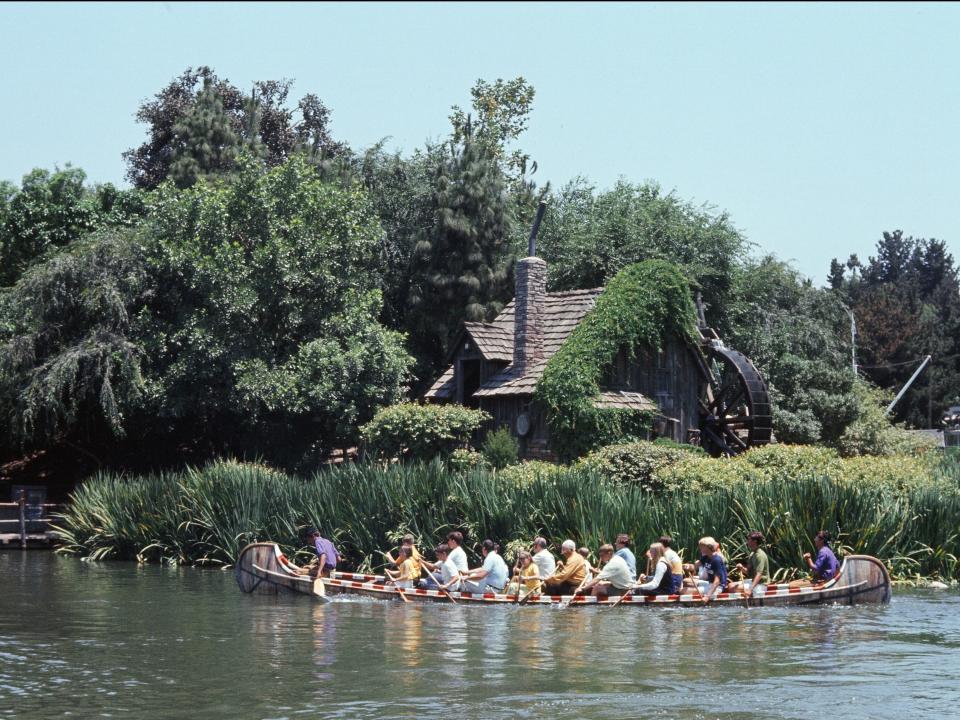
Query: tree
(463,267)
(204,143)
(798,337)
(277,126)
(241,317)
(907,303)
(51,210)
(587,237)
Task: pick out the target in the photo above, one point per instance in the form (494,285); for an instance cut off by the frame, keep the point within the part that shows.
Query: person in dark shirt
(825,567)
(712,561)
(327,555)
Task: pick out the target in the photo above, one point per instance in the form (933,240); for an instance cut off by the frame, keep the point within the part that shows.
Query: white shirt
(617,573)
(448,571)
(662,568)
(459,558)
(545,563)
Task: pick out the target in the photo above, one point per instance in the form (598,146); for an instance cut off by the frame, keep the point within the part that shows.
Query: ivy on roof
(642,306)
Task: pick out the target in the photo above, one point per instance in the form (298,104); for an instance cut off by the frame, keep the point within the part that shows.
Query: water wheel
(735,413)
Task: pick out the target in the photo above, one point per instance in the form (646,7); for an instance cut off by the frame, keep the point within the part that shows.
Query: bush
(779,461)
(421,432)
(500,448)
(700,473)
(527,472)
(872,433)
(465,459)
(636,462)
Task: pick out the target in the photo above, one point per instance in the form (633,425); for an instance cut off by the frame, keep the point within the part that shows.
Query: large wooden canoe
(862,579)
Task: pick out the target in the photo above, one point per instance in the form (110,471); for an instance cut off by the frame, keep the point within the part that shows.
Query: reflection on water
(86,640)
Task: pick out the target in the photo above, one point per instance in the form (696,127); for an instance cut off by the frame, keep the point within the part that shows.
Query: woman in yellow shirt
(528,575)
(408,571)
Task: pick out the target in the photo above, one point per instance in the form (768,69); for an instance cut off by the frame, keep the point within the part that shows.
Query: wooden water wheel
(735,413)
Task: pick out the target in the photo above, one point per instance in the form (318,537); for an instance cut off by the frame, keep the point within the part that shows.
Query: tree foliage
(261,117)
(50,210)
(906,300)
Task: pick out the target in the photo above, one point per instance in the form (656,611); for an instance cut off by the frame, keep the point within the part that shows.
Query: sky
(816,127)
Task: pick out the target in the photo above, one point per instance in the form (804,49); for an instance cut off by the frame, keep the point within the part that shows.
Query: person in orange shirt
(570,574)
(408,571)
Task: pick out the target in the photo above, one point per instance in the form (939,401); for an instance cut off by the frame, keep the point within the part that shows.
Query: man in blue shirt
(623,550)
(712,561)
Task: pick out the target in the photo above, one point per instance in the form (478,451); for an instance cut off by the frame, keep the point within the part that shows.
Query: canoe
(263,569)
(862,580)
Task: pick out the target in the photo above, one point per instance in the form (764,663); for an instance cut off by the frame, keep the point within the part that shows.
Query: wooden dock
(25,525)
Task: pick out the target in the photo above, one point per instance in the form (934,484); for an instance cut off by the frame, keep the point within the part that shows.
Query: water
(88,640)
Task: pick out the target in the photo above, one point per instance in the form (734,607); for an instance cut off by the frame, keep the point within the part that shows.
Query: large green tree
(906,299)
(240,317)
(51,210)
(204,141)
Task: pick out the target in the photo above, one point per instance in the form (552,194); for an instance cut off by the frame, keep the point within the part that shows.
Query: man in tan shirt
(569,574)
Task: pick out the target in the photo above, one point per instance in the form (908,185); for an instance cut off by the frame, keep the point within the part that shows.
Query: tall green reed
(207,515)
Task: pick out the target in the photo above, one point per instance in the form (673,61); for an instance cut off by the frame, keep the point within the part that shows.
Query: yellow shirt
(574,570)
(410,570)
(415,558)
(531,577)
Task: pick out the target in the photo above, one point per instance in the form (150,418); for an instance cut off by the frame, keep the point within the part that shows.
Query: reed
(206,515)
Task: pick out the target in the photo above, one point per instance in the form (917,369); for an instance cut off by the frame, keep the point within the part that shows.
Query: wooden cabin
(495,366)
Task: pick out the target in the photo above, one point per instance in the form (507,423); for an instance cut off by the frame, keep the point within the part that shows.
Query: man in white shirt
(457,556)
(614,578)
(542,558)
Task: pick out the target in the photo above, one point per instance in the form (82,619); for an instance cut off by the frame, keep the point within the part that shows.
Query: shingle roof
(495,342)
(562,312)
(624,399)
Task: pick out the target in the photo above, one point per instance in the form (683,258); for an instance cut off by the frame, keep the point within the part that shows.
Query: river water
(89,640)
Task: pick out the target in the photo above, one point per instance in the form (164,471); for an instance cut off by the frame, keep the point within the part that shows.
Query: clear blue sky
(815,126)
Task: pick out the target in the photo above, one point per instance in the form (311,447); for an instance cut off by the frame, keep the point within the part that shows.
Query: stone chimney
(528,304)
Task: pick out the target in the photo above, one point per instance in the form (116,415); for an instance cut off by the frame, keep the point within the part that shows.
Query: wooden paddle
(574,596)
(531,593)
(439,586)
(627,594)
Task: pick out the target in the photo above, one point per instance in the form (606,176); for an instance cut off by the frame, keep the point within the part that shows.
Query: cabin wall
(670,378)
(505,411)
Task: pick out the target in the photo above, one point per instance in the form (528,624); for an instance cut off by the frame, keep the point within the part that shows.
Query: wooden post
(23,519)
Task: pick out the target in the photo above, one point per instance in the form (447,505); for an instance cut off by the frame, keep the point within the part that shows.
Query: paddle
(531,593)
(439,586)
(623,597)
(391,580)
(574,596)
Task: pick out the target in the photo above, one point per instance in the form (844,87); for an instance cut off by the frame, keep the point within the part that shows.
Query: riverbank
(206,515)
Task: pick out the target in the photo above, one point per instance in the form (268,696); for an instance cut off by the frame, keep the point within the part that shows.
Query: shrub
(872,433)
(527,472)
(421,432)
(793,460)
(500,448)
(636,462)
(465,459)
(699,473)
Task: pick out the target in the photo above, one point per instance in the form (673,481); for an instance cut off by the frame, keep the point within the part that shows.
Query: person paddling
(327,555)
(825,567)
(542,558)
(407,573)
(676,563)
(527,577)
(757,570)
(407,542)
(716,569)
(622,545)
(662,581)
(570,574)
(492,575)
(613,578)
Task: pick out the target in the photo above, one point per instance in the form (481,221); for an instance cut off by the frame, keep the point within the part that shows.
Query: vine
(641,306)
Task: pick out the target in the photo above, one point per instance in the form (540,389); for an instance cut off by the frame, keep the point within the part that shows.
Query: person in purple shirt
(825,567)
(327,555)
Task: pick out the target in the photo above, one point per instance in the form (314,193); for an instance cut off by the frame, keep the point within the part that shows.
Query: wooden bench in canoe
(862,580)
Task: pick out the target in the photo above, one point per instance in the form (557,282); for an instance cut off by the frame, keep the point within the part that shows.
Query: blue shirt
(716,568)
(497,570)
(631,561)
(826,565)
(322,546)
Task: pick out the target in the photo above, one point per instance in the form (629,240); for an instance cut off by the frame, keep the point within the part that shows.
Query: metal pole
(907,386)
(23,519)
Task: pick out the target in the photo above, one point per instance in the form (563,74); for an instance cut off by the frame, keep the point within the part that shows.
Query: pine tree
(205,143)
(463,261)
